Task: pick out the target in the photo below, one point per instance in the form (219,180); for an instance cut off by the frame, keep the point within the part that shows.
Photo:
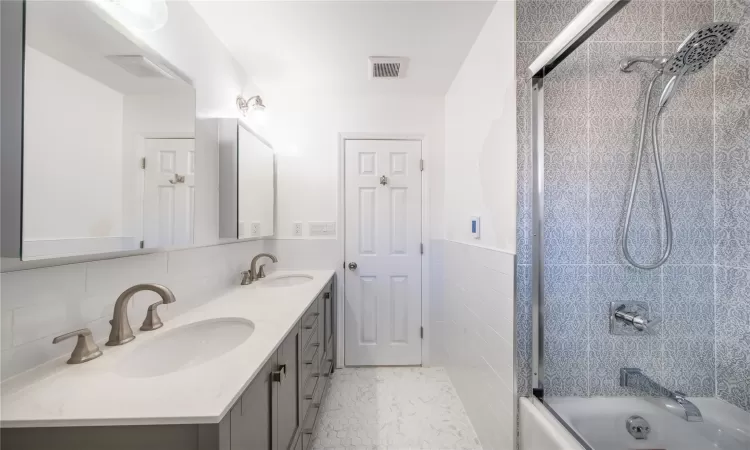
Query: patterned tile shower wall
(592,119)
(732,86)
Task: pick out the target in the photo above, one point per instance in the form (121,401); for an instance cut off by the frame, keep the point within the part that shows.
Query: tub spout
(676,402)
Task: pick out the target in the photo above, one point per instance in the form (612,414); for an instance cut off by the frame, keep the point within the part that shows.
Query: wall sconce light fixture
(255,103)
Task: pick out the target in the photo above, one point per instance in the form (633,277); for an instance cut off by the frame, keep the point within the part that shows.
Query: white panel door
(169,193)
(382,317)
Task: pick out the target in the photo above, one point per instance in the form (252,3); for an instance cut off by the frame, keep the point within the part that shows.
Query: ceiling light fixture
(137,15)
(255,103)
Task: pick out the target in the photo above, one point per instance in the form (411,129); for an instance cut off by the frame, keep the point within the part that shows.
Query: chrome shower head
(700,48)
(695,53)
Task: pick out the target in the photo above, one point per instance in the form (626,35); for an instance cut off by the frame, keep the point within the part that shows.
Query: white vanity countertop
(59,394)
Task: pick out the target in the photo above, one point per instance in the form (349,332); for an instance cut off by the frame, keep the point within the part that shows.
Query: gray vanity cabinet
(277,411)
(287,390)
(250,418)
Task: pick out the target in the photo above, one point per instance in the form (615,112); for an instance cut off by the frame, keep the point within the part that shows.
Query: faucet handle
(152,320)
(643,324)
(247,277)
(85,350)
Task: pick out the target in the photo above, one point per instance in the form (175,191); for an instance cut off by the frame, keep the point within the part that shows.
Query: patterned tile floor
(394,409)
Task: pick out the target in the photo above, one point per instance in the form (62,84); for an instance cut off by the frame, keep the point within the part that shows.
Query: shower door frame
(585,24)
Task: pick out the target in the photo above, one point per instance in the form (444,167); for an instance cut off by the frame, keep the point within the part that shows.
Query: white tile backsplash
(38,304)
(121,273)
(476,335)
(43,286)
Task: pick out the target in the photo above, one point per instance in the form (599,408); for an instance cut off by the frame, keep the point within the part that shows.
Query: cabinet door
(328,319)
(288,390)
(251,415)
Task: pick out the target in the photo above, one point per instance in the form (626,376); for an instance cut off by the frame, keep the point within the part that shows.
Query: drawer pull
(279,375)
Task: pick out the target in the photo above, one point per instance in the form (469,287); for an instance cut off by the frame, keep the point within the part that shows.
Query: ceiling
(323,46)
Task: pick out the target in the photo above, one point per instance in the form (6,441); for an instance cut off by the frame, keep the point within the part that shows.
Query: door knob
(352,266)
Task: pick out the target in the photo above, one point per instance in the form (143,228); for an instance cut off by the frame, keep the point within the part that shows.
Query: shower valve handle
(639,322)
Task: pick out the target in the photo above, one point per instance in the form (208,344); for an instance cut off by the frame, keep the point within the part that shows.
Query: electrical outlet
(255,229)
(297,229)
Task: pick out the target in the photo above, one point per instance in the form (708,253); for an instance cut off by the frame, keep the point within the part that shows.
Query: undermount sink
(186,346)
(287,280)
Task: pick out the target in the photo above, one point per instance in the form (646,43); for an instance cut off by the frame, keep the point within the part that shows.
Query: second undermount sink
(186,346)
(287,280)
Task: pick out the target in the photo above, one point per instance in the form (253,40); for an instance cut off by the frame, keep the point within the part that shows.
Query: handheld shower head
(695,53)
(700,48)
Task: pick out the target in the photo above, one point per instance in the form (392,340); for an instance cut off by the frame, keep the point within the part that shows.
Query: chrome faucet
(121,332)
(252,275)
(635,378)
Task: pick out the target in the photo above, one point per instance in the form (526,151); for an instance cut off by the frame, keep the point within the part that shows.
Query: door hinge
(421,332)
(421,249)
(141,244)
(143,162)
(421,165)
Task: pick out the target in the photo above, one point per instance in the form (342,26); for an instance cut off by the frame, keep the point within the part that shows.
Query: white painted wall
(480,142)
(73,131)
(473,317)
(305,133)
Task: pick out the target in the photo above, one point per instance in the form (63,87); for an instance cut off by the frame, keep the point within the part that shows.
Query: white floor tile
(394,409)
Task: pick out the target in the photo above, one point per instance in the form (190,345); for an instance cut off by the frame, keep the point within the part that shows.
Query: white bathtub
(600,422)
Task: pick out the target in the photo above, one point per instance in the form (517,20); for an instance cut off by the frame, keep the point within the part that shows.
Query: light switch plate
(322,228)
(240,230)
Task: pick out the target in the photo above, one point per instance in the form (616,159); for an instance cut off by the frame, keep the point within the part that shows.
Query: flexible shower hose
(660,178)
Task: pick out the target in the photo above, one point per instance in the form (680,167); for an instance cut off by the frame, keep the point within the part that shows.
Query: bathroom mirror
(247,182)
(109,156)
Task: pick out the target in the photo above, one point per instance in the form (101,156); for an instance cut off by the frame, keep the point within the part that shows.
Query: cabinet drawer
(308,338)
(306,439)
(309,393)
(312,310)
(309,370)
(320,387)
(311,354)
(310,418)
(310,328)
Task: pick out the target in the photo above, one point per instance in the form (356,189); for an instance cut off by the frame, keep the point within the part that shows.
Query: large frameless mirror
(109,157)
(247,181)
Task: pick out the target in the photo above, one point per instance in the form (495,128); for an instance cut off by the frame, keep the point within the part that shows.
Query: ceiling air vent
(388,67)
